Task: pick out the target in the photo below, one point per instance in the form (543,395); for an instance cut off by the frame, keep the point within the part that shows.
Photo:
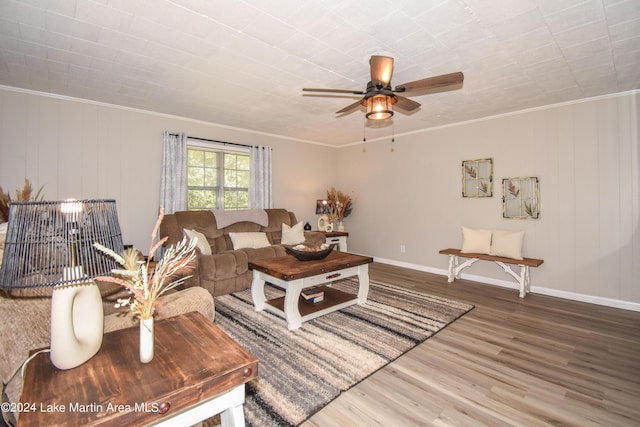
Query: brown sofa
(227,270)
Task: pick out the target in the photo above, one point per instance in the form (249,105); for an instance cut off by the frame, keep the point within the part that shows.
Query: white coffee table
(293,276)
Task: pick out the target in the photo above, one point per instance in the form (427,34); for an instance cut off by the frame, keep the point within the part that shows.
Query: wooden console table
(197,371)
(337,237)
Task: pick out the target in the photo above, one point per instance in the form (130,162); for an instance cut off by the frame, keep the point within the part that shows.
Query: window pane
(243,199)
(195,157)
(242,179)
(210,159)
(229,200)
(230,161)
(210,178)
(195,177)
(201,199)
(230,178)
(234,200)
(243,163)
(209,171)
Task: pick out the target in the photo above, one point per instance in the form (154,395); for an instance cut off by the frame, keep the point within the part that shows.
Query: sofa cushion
(223,266)
(476,241)
(293,235)
(202,242)
(249,240)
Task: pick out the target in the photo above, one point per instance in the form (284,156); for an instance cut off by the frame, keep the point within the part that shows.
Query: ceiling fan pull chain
(393,137)
(364,136)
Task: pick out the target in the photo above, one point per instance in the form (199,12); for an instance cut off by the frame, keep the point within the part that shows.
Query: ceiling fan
(379,96)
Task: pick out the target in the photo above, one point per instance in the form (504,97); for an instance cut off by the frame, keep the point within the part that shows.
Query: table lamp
(51,244)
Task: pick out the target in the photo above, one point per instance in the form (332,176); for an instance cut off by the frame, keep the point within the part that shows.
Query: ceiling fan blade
(350,107)
(354,92)
(381,69)
(434,84)
(406,104)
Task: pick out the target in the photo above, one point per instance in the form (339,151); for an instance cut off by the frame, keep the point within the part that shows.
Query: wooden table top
(289,268)
(194,360)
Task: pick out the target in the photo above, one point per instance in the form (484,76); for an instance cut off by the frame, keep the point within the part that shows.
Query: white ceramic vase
(146,340)
(340,226)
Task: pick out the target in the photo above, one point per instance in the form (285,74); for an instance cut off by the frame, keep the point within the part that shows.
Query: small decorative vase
(146,340)
(340,226)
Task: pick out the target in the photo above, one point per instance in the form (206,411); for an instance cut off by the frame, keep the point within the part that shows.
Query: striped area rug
(301,371)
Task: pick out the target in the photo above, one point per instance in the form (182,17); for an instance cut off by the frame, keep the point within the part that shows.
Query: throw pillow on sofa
(254,240)
(293,235)
(476,241)
(201,243)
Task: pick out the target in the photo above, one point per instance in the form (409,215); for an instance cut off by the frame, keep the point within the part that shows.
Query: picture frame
(521,198)
(477,178)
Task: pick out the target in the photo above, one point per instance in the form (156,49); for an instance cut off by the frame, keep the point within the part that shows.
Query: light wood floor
(536,361)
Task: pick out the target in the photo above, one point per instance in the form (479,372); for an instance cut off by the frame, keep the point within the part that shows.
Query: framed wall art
(521,198)
(477,178)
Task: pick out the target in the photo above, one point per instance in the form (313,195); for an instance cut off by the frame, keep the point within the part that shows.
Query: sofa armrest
(169,305)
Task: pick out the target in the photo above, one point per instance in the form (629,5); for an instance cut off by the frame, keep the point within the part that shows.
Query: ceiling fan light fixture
(379,107)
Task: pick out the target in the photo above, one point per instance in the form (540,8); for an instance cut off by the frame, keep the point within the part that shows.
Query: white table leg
(232,417)
(229,405)
(291,299)
(257,291)
(363,282)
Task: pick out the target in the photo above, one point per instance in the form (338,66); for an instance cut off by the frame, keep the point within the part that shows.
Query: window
(217,179)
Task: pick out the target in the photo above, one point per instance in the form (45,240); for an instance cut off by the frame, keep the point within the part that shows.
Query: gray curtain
(260,178)
(173,181)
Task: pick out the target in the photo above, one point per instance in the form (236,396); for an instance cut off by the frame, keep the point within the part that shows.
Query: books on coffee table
(312,295)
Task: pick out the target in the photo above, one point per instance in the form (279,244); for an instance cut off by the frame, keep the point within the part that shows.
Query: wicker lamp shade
(45,239)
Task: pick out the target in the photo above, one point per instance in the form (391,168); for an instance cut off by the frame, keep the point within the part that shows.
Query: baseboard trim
(592,299)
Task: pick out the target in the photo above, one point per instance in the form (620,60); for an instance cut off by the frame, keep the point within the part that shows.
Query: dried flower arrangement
(25,195)
(147,286)
(340,204)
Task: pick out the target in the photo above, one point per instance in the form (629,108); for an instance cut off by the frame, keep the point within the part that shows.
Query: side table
(197,371)
(337,237)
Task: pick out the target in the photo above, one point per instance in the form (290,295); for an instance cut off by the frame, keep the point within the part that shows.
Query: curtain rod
(214,140)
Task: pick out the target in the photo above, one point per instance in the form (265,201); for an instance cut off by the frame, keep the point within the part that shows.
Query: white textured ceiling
(243,63)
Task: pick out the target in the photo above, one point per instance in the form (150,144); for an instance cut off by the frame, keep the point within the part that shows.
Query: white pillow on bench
(476,241)
(507,244)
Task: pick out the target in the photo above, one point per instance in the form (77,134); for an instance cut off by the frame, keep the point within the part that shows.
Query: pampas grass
(147,285)
(24,195)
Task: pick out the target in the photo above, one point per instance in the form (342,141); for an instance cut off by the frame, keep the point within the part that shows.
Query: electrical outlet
(403,249)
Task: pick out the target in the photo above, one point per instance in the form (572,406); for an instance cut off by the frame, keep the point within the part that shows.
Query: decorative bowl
(309,255)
